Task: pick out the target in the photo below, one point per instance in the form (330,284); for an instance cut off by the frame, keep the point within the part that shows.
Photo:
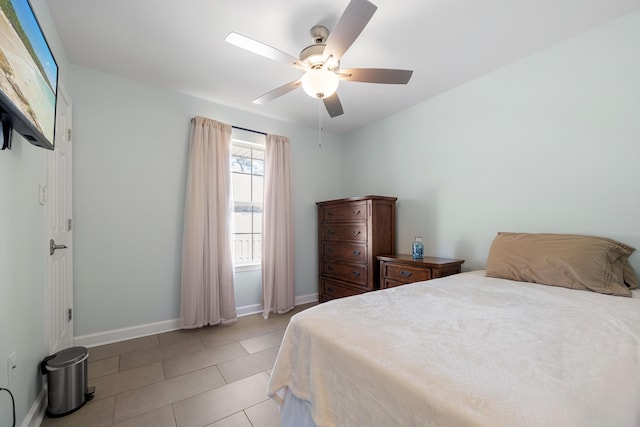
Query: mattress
(465,350)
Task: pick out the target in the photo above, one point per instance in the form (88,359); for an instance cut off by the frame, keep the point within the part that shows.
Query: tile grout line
(113,411)
(244,411)
(175,419)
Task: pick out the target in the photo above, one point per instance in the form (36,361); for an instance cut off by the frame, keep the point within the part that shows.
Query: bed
(469,350)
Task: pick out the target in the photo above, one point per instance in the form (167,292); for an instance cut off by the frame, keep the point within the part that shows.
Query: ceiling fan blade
(376,75)
(262,49)
(278,92)
(349,26)
(333,105)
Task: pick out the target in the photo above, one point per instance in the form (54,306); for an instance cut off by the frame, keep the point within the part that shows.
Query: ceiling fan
(321,60)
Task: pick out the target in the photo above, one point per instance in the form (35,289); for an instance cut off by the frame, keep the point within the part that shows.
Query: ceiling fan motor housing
(312,55)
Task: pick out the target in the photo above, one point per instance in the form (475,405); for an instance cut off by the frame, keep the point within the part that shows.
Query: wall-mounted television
(28,77)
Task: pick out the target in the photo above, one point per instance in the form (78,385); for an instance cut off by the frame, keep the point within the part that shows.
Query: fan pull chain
(319,122)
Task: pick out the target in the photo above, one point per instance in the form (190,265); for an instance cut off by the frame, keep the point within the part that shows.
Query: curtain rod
(241,128)
(250,130)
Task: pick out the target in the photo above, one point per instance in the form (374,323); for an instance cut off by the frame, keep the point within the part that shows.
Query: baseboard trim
(247,310)
(116,335)
(35,416)
(257,308)
(306,299)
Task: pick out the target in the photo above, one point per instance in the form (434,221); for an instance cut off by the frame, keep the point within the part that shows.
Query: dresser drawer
(356,211)
(355,231)
(330,290)
(405,274)
(356,252)
(356,274)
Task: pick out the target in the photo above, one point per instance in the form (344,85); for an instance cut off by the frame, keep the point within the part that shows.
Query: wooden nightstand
(396,270)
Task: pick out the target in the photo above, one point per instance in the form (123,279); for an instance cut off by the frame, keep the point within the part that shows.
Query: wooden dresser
(396,270)
(351,234)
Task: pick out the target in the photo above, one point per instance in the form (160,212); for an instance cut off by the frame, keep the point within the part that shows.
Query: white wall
(548,144)
(22,272)
(130,158)
(23,256)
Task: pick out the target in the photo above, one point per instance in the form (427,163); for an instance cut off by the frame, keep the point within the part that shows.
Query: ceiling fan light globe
(320,83)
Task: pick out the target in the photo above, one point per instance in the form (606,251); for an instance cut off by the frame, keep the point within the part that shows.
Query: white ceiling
(180,45)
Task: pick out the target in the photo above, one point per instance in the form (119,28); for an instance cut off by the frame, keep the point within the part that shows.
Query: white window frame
(254,141)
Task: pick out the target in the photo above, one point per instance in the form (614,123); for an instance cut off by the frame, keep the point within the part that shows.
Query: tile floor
(215,377)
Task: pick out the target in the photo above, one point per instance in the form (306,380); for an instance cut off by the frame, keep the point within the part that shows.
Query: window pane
(242,248)
(257,246)
(258,183)
(258,164)
(241,187)
(257,220)
(247,166)
(241,160)
(242,219)
(258,153)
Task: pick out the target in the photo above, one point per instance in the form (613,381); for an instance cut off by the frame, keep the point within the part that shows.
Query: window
(247,178)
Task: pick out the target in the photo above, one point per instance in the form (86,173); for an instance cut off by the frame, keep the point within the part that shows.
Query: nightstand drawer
(347,251)
(392,283)
(356,211)
(356,232)
(404,274)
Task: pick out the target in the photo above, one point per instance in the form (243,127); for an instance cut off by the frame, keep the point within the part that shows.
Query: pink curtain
(278,288)
(207,267)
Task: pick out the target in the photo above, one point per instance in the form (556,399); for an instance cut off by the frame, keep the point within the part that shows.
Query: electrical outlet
(11,367)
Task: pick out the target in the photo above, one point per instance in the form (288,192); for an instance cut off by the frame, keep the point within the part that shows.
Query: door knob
(53,247)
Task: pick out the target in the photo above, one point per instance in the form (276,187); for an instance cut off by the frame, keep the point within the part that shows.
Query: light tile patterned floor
(210,377)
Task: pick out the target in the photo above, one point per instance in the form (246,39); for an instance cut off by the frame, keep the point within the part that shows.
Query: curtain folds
(278,288)
(207,267)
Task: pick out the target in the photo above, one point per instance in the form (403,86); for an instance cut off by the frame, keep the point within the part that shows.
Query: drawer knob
(329,268)
(356,253)
(329,289)
(330,232)
(356,232)
(356,273)
(329,250)
(406,273)
(356,212)
(329,213)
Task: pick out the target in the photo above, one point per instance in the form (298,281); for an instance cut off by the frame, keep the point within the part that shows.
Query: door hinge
(69,314)
(69,134)
(69,224)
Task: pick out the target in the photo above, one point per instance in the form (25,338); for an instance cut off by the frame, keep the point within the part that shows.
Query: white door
(60,265)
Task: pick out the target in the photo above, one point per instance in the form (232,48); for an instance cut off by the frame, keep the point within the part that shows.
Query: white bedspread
(466,350)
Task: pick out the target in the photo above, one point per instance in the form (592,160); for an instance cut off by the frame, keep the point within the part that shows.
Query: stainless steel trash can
(66,373)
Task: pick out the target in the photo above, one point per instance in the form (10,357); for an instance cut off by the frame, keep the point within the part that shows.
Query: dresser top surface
(355,199)
(426,260)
